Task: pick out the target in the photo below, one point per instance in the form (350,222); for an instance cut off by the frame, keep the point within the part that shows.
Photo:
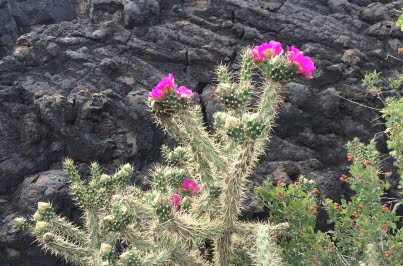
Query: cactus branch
(137,239)
(186,128)
(93,227)
(267,253)
(71,232)
(70,252)
(267,112)
(191,229)
(159,258)
(245,76)
(251,228)
(185,258)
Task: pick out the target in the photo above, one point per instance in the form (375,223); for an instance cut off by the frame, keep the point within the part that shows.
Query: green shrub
(363,220)
(365,226)
(296,204)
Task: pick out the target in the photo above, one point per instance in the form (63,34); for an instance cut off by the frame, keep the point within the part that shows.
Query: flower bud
(179,150)
(125,256)
(105,178)
(107,220)
(48,237)
(41,227)
(105,249)
(224,89)
(190,186)
(43,206)
(176,200)
(127,168)
(231,122)
(37,216)
(184,93)
(20,222)
(253,116)
(129,258)
(219,117)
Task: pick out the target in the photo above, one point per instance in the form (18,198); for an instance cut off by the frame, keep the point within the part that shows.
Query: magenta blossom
(176,199)
(190,186)
(184,92)
(302,64)
(163,88)
(267,50)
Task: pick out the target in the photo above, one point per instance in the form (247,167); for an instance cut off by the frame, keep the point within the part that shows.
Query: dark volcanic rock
(50,186)
(375,12)
(19,16)
(8,27)
(78,86)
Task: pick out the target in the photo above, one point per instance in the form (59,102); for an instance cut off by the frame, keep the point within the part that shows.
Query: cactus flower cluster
(270,56)
(166,97)
(166,87)
(163,89)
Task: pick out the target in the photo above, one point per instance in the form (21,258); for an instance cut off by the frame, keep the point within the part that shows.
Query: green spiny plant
(168,224)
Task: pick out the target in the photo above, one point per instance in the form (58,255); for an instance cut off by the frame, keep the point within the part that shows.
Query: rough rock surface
(47,186)
(77,87)
(20,16)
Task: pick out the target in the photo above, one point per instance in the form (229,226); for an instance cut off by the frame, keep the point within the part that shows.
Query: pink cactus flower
(266,51)
(184,92)
(163,88)
(176,200)
(190,186)
(302,64)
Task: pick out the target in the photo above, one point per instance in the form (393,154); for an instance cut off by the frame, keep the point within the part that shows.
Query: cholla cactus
(371,256)
(198,195)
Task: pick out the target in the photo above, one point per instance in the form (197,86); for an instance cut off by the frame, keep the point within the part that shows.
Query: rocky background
(74,75)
